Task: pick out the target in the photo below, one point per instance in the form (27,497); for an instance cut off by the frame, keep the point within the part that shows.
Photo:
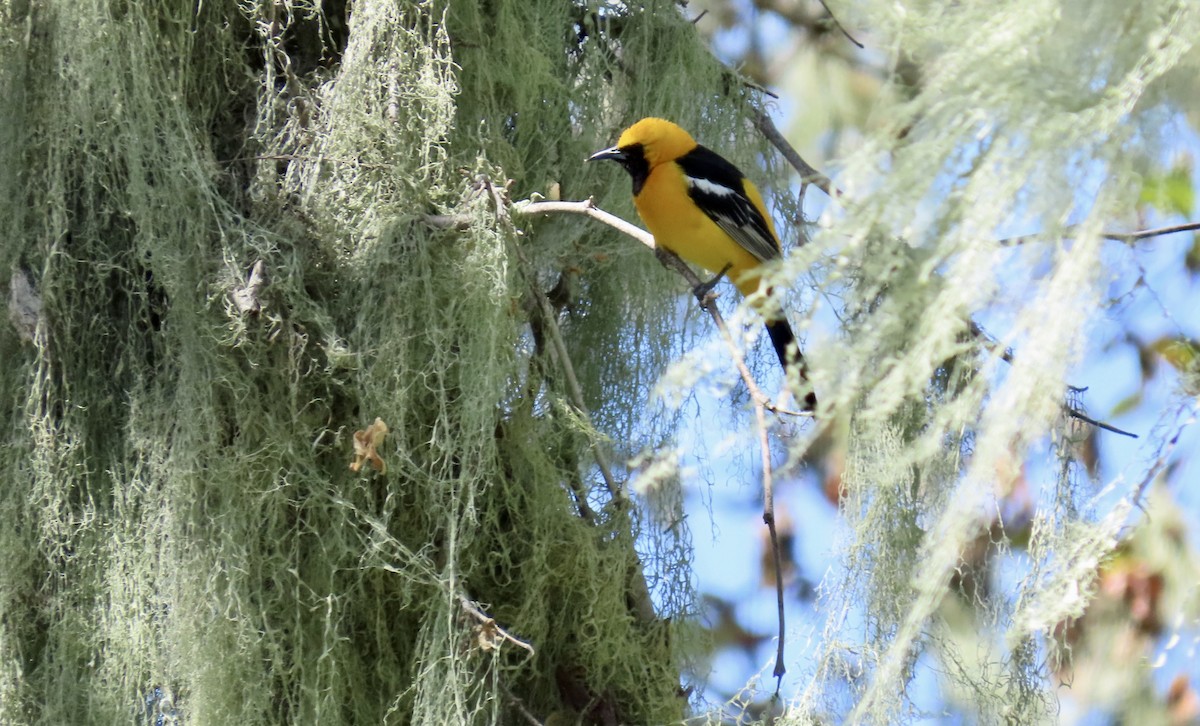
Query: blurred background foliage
(1131,655)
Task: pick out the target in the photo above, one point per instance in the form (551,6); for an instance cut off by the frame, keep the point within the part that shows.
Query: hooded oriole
(702,208)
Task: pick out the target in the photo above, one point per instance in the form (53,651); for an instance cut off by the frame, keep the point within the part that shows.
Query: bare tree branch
(1115,236)
(1157,232)
(808,173)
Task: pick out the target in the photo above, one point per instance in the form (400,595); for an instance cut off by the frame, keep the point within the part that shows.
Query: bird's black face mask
(631,157)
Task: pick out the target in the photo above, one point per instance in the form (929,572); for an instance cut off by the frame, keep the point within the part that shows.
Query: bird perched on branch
(704,209)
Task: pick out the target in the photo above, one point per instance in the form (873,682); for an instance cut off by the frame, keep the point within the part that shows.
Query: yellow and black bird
(704,209)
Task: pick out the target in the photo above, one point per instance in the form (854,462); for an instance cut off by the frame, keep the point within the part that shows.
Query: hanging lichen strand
(223,209)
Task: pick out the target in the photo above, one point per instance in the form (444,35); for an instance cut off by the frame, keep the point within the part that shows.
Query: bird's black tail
(784,341)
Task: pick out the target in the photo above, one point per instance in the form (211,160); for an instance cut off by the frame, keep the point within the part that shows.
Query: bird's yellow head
(645,145)
(661,140)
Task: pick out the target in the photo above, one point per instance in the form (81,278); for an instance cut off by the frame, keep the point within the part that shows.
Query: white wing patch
(708,186)
(735,214)
(723,194)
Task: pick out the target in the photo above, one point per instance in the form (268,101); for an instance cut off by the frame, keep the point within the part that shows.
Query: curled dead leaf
(366,445)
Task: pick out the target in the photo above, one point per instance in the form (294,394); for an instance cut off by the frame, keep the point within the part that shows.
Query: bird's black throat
(634,161)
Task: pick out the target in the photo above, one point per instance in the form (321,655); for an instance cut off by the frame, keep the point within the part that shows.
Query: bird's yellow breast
(683,228)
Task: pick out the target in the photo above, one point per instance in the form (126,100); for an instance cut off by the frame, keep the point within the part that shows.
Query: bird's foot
(702,290)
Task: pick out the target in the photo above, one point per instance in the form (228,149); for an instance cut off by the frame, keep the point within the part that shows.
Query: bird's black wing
(719,189)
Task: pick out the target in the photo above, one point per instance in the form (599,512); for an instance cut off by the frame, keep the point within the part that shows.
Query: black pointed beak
(614,153)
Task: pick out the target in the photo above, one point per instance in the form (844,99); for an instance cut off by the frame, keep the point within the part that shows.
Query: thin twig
(768,487)
(838,24)
(989,342)
(521,709)
(1157,232)
(761,403)
(1077,414)
(489,627)
(758,87)
(799,15)
(1115,236)
(1165,454)
(1006,355)
(808,173)
(1018,241)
